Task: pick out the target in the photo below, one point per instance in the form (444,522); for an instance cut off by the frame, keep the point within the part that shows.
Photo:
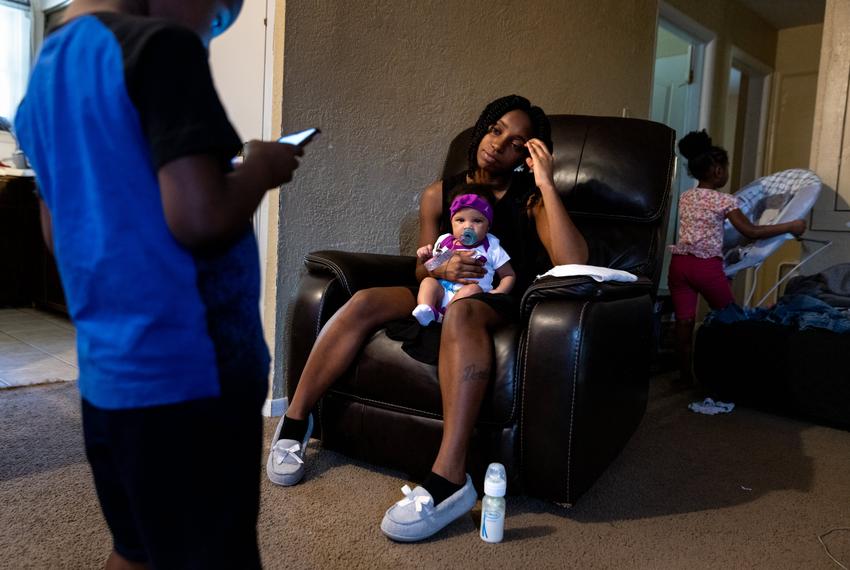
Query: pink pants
(690,275)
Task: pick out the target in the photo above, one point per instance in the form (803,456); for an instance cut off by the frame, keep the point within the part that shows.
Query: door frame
(705,40)
(700,34)
(740,59)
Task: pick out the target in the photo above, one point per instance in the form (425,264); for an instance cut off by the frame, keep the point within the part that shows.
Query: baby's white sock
(424,314)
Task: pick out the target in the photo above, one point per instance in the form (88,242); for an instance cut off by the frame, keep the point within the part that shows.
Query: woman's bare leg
(341,339)
(466,358)
(466,291)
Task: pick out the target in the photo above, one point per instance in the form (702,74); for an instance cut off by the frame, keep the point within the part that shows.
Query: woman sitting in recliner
(511,152)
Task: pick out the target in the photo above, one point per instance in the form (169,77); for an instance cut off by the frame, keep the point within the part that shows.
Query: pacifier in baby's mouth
(468,237)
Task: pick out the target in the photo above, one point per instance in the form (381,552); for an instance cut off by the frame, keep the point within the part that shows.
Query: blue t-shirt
(111,99)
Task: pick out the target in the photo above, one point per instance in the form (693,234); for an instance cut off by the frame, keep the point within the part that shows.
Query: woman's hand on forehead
(541,162)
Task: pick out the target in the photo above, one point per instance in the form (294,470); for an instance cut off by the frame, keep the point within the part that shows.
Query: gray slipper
(286,457)
(416,518)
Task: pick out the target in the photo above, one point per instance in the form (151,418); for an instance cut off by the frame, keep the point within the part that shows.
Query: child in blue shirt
(151,229)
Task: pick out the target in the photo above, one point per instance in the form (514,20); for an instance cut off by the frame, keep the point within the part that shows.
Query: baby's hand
(425,252)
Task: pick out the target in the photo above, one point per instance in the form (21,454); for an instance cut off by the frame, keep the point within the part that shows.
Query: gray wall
(391,82)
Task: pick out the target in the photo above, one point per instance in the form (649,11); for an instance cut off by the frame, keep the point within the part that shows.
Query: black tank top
(512,224)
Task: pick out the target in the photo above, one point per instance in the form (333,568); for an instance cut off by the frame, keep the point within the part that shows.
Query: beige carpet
(747,490)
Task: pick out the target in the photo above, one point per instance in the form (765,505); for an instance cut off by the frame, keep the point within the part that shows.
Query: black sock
(293,429)
(440,487)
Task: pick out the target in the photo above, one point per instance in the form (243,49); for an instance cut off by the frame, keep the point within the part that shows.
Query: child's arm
(205,205)
(425,253)
(507,278)
(752,231)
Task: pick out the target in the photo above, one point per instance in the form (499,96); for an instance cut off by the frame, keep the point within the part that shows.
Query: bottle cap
(495,481)
(495,488)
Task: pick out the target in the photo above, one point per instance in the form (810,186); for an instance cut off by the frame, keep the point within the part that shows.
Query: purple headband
(473,201)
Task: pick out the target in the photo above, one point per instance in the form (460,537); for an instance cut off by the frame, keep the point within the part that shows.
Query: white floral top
(701,215)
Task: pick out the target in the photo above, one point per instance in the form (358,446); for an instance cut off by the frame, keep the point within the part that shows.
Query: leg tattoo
(472,372)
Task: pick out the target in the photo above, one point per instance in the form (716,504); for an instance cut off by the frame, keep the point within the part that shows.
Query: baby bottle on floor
(493,503)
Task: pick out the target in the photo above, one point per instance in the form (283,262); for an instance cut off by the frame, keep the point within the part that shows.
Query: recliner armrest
(585,371)
(332,278)
(582,288)
(356,271)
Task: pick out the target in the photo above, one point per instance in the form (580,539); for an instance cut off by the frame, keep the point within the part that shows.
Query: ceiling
(788,13)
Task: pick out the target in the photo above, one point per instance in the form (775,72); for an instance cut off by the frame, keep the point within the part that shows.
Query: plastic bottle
(467,238)
(438,260)
(493,504)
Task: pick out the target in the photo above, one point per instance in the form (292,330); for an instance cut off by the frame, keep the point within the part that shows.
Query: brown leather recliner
(570,380)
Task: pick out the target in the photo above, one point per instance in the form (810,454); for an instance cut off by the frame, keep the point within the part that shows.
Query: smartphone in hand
(300,138)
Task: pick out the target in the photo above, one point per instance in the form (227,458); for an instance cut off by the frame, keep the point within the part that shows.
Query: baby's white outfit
(489,249)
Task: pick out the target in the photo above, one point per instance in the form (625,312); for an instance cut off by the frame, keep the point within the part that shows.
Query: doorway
(744,135)
(680,93)
(746,118)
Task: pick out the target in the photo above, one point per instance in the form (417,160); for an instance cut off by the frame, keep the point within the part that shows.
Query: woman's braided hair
(701,155)
(540,127)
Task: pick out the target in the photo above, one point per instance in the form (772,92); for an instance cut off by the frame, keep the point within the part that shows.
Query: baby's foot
(425,314)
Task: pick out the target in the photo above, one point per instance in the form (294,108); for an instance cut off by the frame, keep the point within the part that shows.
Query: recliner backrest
(614,175)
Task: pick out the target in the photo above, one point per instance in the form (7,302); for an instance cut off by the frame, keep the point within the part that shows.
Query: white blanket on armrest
(597,273)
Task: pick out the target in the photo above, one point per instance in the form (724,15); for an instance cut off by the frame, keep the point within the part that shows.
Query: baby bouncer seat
(774,199)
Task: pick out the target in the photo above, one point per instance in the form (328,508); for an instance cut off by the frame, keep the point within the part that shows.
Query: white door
(238,61)
(676,95)
(241,62)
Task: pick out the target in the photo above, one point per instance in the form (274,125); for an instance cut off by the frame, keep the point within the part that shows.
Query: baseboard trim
(275,407)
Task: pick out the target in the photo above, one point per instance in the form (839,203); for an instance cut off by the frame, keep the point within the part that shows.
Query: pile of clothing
(812,301)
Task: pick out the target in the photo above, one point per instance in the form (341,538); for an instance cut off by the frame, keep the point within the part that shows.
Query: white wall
(237,59)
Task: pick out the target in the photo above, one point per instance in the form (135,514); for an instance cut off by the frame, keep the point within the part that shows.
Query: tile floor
(36,347)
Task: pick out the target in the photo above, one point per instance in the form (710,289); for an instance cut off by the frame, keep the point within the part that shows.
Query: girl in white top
(696,267)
